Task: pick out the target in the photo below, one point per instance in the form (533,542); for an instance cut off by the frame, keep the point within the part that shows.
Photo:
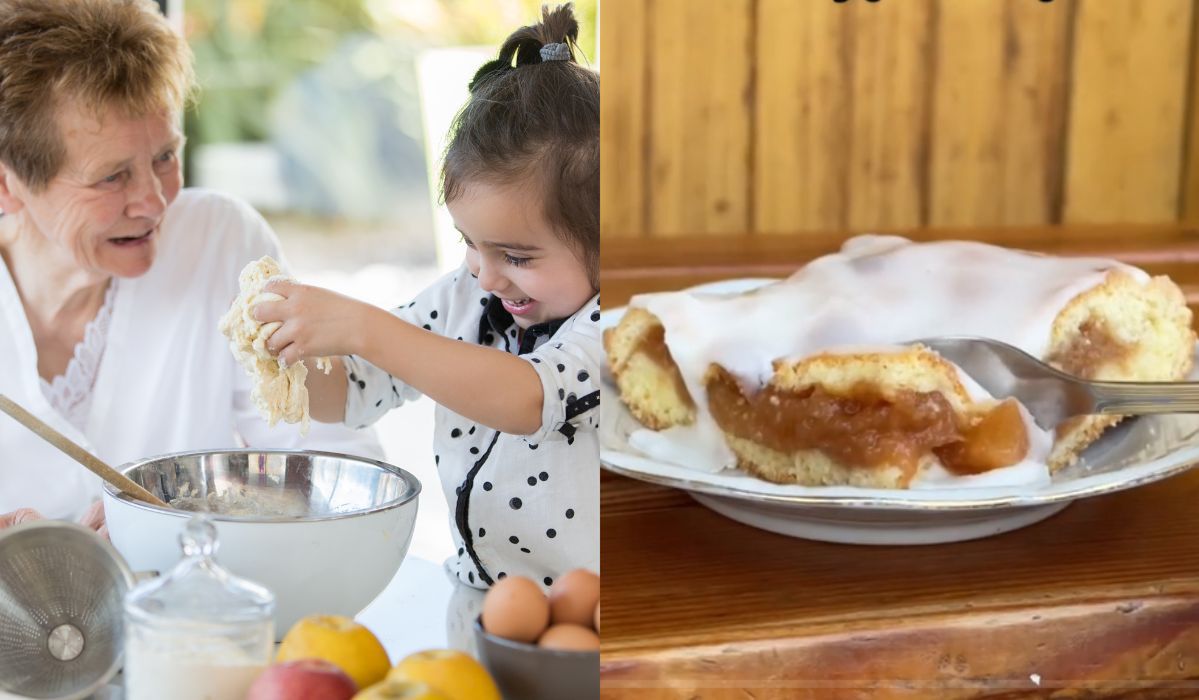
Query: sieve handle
(87,459)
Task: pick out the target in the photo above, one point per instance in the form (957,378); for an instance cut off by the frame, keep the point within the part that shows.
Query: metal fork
(1052,396)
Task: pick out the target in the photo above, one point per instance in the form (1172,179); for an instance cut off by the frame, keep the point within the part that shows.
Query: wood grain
(699,116)
(889,140)
(1189,204)
(1127,110)
(998,115)
(1104,593)
(743,117)
(624,129)
(1137,244)
(801,144)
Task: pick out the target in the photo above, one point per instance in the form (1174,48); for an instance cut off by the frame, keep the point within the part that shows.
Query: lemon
(454,674)
(338,640)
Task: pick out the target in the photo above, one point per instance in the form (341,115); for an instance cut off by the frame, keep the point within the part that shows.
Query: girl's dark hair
(529,120)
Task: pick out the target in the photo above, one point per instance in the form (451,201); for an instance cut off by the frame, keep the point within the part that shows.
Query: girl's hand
(316,322)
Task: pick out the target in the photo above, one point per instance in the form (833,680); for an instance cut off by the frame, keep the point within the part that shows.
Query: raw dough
(279,390)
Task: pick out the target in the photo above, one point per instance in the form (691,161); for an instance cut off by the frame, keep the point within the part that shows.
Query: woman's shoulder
(210,228)
(217,214)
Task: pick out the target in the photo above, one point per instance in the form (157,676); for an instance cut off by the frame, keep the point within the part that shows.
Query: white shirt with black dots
(523,505)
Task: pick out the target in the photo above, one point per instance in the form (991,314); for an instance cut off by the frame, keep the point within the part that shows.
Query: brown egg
(515,608)
(597,629)
(569,638)
(573,598)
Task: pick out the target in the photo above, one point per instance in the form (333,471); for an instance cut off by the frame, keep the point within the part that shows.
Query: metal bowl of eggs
(540,647)
(324,532)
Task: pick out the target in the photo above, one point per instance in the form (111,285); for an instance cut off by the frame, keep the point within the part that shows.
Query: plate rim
(884,503)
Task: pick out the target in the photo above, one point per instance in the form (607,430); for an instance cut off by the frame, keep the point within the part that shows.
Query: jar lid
(198,589)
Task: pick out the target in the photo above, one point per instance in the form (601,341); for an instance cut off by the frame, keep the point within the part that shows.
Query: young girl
(508,345)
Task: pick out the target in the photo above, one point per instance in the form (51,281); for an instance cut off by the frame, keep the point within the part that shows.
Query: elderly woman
(113,277)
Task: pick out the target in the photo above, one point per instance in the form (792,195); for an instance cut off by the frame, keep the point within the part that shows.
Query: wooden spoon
(87,459)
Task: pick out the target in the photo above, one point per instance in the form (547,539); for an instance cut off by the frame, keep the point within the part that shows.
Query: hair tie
(555,52)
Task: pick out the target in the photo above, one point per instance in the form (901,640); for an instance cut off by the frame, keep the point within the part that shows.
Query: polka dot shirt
(520,504)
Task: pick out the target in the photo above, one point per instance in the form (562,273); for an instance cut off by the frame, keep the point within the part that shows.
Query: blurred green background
(248,50)
(328,115)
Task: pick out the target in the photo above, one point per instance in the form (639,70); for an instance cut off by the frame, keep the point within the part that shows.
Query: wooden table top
(1101,600)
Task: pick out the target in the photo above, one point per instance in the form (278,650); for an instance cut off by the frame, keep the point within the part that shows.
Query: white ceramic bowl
(329,533)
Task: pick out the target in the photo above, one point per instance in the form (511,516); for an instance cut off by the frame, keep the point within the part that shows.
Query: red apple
(305,679)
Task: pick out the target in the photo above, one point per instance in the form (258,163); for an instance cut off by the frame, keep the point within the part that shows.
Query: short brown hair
(105,53)
(529,117)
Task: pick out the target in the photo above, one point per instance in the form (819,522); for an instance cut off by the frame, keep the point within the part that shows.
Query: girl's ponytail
(553,39)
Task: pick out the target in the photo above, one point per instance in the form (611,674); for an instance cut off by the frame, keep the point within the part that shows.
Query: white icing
(878,291)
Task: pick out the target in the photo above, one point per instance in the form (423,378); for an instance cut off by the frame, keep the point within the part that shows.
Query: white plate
(1138,451)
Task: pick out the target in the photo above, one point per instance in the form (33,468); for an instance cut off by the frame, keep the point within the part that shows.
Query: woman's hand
(94,519)
(18,516)
(316,322)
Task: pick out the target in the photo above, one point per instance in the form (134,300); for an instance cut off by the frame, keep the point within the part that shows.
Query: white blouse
(70,393)
(166,381)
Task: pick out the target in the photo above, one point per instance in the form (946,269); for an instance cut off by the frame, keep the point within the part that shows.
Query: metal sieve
(61,592)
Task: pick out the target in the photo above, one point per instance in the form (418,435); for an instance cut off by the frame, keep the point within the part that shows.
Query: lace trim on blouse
(70,393)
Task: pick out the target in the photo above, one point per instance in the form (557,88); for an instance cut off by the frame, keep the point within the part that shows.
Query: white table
(423,608)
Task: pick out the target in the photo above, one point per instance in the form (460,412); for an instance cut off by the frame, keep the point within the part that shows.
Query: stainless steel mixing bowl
(325,532)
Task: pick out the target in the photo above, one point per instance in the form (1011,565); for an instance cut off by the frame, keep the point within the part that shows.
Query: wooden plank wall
(738,117)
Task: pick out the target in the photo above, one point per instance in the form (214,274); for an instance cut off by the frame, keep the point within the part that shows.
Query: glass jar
(199,632)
